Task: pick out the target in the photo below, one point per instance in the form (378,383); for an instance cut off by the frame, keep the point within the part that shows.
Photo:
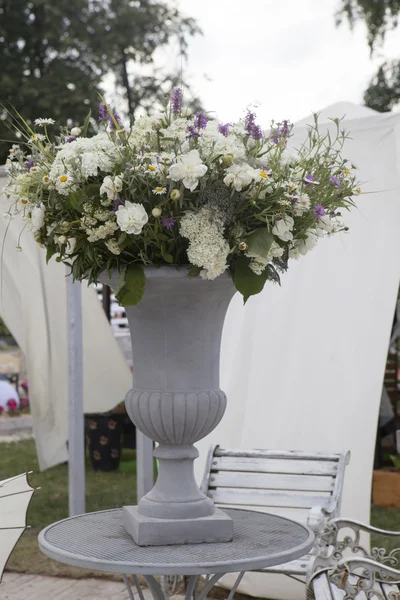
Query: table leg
(128,586)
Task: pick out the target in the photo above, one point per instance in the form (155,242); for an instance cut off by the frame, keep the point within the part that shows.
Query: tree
(55,54)
(383,92)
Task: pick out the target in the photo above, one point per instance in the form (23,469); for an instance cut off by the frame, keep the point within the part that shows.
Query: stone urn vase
(176,400)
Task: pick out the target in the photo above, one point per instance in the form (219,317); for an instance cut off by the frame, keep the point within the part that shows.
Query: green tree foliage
(55,54)
(379,16)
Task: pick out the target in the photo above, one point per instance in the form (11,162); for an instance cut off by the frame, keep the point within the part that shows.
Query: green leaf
(260,242)
(132,291)
(51,250)
(194,271)
(86,123)
(247,282)
(168,257)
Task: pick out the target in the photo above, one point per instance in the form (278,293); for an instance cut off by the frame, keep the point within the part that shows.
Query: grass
(103,490)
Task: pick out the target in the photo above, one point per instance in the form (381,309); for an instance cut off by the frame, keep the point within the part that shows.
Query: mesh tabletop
(99,541)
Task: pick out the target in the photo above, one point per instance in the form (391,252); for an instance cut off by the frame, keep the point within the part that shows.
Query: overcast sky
(286,54)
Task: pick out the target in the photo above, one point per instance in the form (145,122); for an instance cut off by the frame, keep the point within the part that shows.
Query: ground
(103,490)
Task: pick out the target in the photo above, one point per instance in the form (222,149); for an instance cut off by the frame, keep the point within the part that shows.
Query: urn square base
(147,531)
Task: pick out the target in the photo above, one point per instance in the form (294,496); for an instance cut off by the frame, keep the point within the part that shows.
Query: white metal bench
(345,570)
(303,486)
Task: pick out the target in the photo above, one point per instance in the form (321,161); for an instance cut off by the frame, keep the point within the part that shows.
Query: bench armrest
(344,576)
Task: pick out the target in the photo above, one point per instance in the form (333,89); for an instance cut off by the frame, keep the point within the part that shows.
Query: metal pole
(107,301)
(76,433)
(144,464)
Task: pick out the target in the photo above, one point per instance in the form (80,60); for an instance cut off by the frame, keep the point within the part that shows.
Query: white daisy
(37,137)
(159,191)
(43,122)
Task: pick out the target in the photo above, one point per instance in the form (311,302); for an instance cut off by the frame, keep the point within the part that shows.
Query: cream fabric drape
(33,304)
(303,365)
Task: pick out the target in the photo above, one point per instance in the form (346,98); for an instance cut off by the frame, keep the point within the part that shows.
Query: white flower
(156,212)
(240,176)
(111,186)
(62,239)
(159,190)
(37,137)
(131,217)
(301,205)
(283,228)
(188,169)
(216,266)
(43,122)
(304,246)
(76,131)
(71,243)
(37,218)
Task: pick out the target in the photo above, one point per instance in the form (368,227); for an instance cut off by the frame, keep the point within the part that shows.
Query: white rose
(131,217)
(188,169)
(283,228)
(240,176)
(37,218)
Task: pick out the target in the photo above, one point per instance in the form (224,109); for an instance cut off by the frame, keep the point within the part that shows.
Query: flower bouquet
(178,189)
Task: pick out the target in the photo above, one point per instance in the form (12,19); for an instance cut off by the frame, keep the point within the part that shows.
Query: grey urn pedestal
(176,400)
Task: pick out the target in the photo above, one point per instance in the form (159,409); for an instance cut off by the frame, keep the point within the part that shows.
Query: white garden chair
(304,486)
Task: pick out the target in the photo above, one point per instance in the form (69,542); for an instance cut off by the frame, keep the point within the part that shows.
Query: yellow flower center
(263,174)
(160,189)
(151,168)
(347,172)
(63,178)
(46,179)
(23,201)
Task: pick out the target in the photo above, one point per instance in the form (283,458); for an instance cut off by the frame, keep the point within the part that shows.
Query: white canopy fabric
(303,364)
(34,306)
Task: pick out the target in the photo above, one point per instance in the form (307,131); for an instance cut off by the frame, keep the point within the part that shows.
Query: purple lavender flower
(282,131)
(118,203)
(319,211)
(193,132)
(200,120)
(250,126)
(176,101)
(111,121)
(103,112)
(224,129)
(249,122)
(335,181)
(168,222)
(69,139)
(29,163)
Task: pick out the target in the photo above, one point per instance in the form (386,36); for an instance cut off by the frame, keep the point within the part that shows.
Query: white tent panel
(303,364)
(33,304)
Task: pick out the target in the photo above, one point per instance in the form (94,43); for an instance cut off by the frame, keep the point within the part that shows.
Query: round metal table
(98,541)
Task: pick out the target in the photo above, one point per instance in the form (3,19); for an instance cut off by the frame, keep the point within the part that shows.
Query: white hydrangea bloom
(85,157)
(188,169)
(283,228)
(131,217)
(176,130)
(214,143)
(144,131)
(208,248)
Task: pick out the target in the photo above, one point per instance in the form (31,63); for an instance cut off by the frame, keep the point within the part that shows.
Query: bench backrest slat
(282,482)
